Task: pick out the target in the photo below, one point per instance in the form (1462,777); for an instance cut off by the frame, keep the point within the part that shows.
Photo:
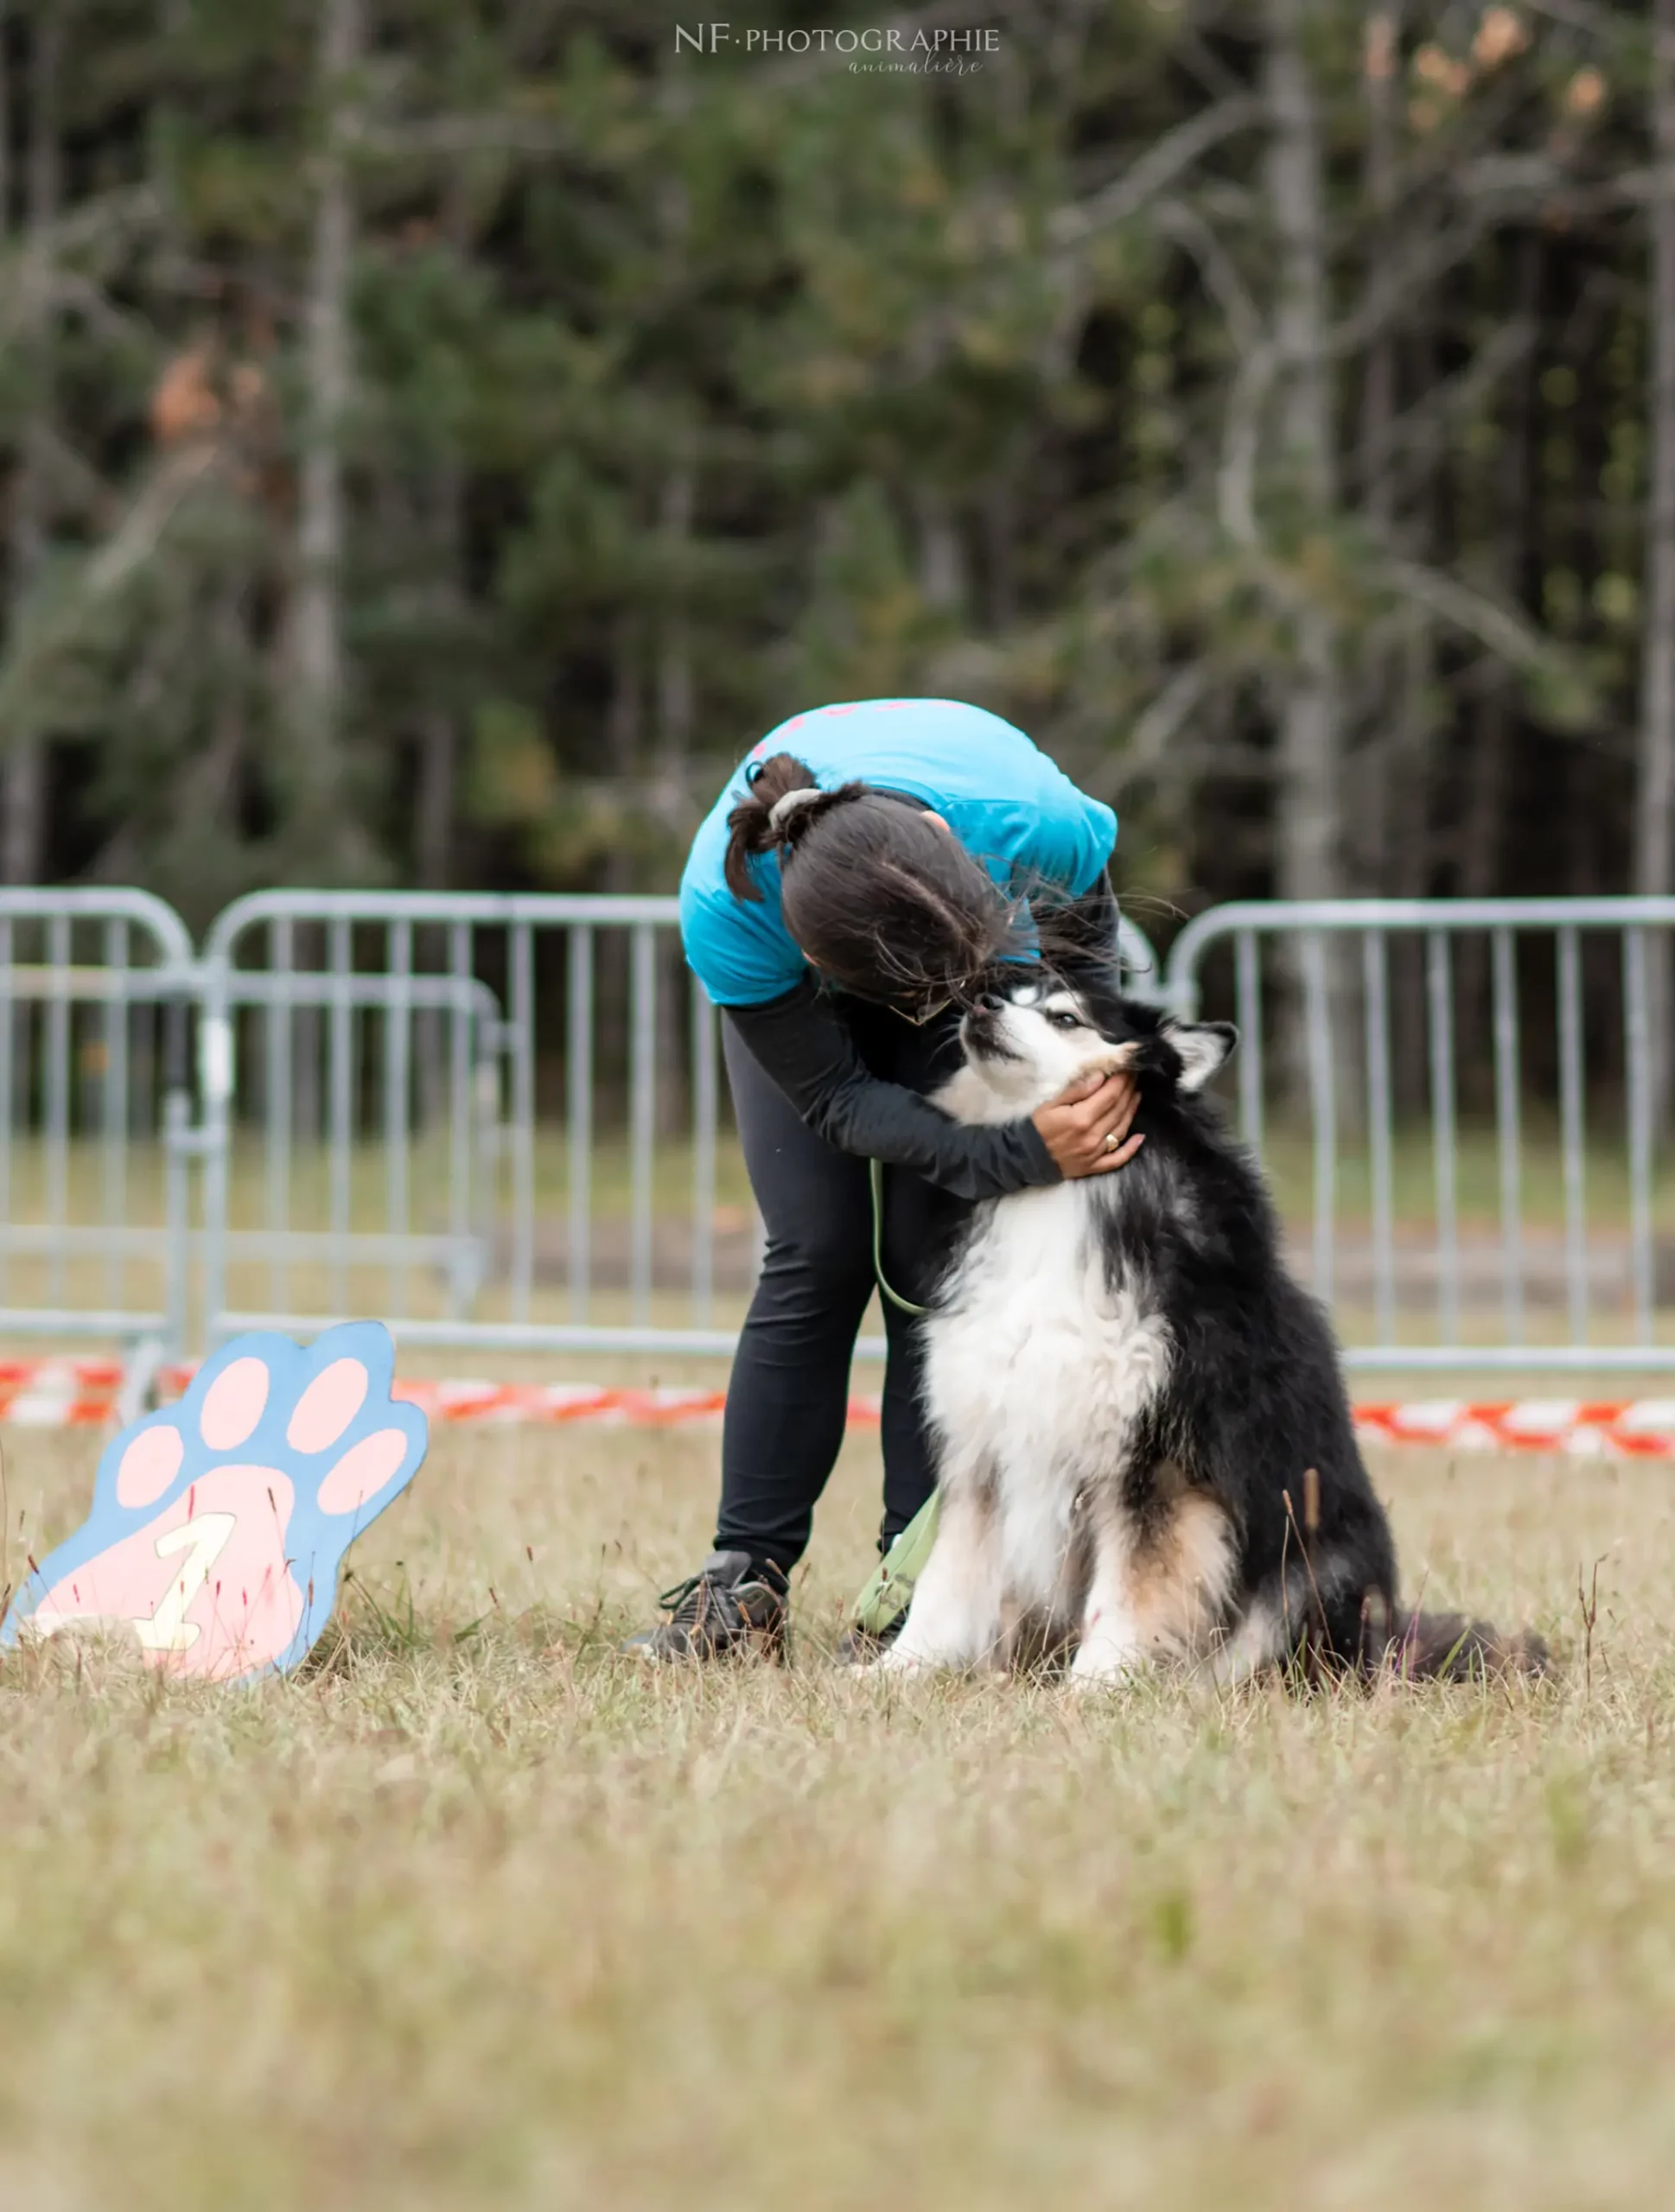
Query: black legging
(789,1391)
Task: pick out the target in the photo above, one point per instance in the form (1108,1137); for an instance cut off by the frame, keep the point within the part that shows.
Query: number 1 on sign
(167,1629)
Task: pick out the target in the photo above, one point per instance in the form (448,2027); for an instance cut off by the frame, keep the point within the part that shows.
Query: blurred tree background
(440,436)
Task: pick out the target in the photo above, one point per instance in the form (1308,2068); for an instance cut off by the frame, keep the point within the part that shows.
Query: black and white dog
(1146,1452)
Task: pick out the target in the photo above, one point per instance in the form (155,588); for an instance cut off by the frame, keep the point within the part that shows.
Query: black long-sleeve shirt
(805,1044)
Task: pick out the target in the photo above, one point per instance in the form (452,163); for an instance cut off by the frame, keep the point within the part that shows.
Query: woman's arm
(805,1045)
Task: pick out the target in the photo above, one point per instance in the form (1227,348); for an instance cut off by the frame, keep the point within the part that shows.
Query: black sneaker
(859,1647)
(730,1608)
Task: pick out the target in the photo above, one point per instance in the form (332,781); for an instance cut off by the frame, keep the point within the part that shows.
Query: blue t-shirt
(1005,800)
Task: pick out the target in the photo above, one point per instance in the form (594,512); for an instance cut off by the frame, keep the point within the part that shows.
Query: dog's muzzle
(980,1031)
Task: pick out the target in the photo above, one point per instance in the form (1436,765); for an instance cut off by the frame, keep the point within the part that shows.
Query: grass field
(475,1915)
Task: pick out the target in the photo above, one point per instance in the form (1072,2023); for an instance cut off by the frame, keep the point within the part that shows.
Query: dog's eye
(1065,1020)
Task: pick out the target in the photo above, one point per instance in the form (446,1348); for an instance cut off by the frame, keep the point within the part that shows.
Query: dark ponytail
(883,900)
(753,829)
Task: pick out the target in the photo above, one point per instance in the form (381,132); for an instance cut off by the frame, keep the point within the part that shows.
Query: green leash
(903,1305)
(889,1592)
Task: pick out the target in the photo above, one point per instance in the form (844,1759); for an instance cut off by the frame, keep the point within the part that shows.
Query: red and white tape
(1643,1429)
(59,1393)
(82,1394)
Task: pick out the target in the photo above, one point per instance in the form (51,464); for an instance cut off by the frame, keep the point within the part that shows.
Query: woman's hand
(1087,1127)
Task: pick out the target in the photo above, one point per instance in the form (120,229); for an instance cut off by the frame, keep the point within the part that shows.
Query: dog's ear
(1202,1046)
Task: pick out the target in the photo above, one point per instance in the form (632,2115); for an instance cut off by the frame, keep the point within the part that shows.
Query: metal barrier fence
(1540,954)
(501,1120)
(95,1134)
(386,997)
(580,1191)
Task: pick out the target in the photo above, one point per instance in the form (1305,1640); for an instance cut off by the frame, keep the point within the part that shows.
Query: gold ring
(1112,1140)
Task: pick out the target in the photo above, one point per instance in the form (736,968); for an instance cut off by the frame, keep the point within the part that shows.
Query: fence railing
(1564,973)
(95,1134)
(502,1121)
(583,1191)
(383,998)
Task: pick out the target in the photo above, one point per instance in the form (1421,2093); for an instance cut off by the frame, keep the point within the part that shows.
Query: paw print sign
(219,1525)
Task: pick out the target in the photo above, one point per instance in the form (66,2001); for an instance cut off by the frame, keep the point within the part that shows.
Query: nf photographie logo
(946,51)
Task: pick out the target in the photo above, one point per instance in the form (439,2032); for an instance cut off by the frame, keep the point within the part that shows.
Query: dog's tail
(1446,1647)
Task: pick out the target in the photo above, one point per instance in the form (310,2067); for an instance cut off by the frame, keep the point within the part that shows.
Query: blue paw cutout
(219,1525)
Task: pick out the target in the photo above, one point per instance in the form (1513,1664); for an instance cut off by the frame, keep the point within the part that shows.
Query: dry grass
(473,1914)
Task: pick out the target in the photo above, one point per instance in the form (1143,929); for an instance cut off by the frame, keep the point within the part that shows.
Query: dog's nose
(990,1003)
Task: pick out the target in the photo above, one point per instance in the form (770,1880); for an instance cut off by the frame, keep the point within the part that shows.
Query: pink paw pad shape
(219,1525)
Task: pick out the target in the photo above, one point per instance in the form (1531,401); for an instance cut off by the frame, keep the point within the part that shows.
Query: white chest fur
(1036,1372)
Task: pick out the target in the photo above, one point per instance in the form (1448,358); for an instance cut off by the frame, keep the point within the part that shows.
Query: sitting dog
(1146,1452)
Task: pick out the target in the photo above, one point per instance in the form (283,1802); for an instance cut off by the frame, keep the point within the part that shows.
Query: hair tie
(787,804)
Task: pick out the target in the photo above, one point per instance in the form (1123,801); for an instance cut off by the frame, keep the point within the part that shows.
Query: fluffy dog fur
(1146,1450)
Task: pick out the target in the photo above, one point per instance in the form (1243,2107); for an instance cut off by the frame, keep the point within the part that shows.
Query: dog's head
(1027,1041)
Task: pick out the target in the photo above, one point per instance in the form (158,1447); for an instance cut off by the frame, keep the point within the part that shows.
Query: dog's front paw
(220,1523)
(982,1658)
(1090,1682)
(1108,1664)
